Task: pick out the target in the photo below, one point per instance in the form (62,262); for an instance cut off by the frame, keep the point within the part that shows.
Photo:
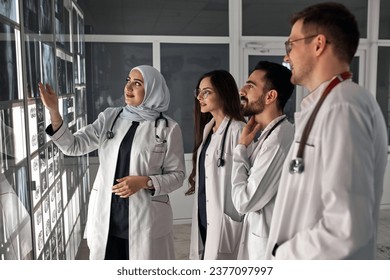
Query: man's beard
(253,108)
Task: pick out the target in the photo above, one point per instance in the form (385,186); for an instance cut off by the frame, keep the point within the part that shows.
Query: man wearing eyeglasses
(332,180)
(257,163)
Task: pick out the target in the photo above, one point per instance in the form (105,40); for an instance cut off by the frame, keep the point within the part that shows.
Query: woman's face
(134,89)
(207,97)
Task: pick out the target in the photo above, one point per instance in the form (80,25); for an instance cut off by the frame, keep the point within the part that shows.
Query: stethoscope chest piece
(296,166)
(220,162)
(110,134)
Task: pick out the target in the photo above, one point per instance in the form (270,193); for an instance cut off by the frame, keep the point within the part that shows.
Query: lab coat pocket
(226,154)
(259,224)
(257,246)
(312,165)
(230,235)
(156,159)
(162,218)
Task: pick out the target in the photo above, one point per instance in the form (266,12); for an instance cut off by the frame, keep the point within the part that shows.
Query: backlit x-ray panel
(36,186)
(33,69)
(48,64)
(32,125)
(8,71)
(33,174)
(45,17)
(30,13)
(8,8)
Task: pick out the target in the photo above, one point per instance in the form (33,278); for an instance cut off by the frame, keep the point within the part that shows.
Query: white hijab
(156,97)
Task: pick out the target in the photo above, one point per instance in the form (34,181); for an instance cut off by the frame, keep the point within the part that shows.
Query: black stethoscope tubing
(221,161)
(110,134)
(275,126)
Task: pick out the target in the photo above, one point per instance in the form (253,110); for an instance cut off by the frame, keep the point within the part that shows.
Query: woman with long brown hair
(216,225)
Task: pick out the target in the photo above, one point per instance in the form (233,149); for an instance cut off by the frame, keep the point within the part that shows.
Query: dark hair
(227,91)
(336,22)
(277,77)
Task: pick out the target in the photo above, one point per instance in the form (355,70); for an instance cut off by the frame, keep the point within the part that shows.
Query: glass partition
(272,17)
(9,9)
(182,65)
(383,84)
(8,69)
(384,20)
(151,17)
(109,65)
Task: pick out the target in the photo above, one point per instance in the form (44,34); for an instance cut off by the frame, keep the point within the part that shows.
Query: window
(182,65)
(384,20)
(383,84)
(150,17)
(258,17)
(109,65)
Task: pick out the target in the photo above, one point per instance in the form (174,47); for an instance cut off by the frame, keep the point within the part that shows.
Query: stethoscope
(297,165)
(110,134)
(221,161)
(273,128)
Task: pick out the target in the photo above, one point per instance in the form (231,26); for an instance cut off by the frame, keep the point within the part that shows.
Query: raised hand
(50,100)
(249,132)
(48,97)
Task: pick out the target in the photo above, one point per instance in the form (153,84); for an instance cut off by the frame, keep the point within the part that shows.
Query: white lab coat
(14,218)
(255,180)
(224,224)
(330,211)
(150,218)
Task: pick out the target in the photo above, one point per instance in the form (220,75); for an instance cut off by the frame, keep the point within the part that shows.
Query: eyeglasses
(288,43)
(203,93)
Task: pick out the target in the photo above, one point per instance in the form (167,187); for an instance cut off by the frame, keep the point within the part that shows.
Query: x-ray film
(8,70)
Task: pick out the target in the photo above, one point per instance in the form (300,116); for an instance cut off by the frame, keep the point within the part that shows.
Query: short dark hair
(277,77)
(336,22)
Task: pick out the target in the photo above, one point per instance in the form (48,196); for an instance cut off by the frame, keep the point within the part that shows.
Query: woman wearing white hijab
(141,161)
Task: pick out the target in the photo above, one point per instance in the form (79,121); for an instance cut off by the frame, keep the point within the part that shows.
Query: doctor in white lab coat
(257,163)
(216,224)
(328,201)
(129,217)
